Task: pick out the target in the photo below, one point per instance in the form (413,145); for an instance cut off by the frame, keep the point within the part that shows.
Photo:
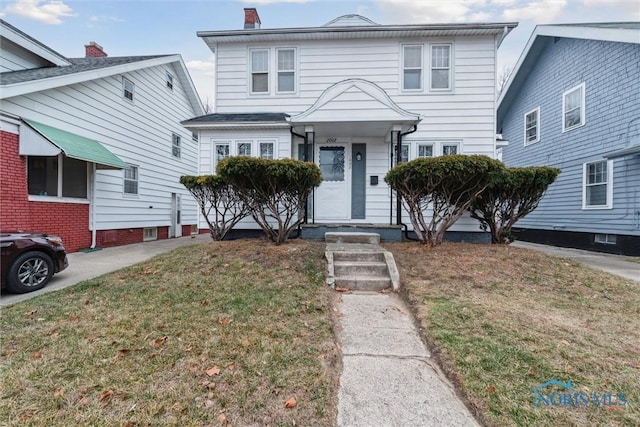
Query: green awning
(78,147)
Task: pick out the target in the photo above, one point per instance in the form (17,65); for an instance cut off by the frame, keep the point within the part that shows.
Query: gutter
(398,198)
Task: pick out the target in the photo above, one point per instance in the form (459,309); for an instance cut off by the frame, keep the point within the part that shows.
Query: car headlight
(54,240)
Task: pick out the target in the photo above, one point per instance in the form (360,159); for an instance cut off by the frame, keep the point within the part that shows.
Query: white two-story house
(92,148)
(346,95)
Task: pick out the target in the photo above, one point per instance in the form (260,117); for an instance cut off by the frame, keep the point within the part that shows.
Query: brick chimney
(251,18)
(94,50)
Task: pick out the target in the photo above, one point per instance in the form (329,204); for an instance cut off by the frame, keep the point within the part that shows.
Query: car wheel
(29,272)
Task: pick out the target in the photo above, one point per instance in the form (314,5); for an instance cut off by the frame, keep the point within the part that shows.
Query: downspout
(93,206)
(398,199)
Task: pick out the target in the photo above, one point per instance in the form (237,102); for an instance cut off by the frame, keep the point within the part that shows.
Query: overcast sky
(144,27)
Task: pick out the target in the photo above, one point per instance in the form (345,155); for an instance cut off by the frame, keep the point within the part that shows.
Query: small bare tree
(213,193)
(503,78)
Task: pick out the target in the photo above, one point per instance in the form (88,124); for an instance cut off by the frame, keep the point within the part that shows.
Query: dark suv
(30,259)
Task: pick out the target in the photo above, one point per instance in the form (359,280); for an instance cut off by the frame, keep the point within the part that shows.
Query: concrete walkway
(85,266)
(614,264)
(388,376)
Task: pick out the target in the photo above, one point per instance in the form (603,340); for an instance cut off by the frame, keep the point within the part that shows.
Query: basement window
(606,239)
(150,233)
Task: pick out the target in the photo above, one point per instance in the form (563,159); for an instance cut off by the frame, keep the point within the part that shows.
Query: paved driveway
(85,266)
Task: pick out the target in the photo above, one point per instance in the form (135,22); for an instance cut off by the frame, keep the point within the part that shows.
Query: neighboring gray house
(573,102)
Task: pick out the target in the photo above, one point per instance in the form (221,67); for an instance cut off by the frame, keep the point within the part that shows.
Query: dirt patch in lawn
(503,320)
(224,333)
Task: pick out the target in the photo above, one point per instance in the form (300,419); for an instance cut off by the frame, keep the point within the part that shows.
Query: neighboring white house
(349,91)
(92,148)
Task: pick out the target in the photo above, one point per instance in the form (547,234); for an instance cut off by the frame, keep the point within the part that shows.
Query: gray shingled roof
(78,65)
(238,118)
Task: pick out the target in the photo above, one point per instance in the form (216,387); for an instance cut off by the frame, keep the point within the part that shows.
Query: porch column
(309,140)
(396,141)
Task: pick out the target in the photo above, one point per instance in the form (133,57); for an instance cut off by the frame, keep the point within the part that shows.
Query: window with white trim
(573,107)
(606,239)
(412,67)
(425,150)
(244,148)
(259,70)
(150,233)
(194,137)
(286,70)
(45,177)
(404,153)
(128,88)
(266,150)
(449,148)
(169,81)
(532,126)
(221,152)
(597,188)
(440,67)
(175,145)
(131,180)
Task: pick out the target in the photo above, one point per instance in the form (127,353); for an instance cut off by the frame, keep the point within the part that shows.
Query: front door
(333,197)
(176,228)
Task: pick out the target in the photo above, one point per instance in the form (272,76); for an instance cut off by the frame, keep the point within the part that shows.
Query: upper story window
(441,67)
(598,185)
(131,180)
(169,81)
(259,70)
(412,67)
(57,176)
(128,88)
(532,126)
(425,150)
(573,108)
(175,145)
(286,63)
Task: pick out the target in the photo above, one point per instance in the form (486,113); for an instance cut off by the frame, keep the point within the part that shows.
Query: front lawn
(235,333)
(503,320)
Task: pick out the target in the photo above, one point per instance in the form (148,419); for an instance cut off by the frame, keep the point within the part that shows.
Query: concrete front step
(365,269)
(341,237)
(359,256)
(360,283)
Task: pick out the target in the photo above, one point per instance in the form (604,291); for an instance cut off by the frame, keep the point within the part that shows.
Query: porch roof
(48,140)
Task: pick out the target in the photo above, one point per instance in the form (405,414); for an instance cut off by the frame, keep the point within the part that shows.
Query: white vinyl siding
(597,185)
(412,67)
(440,72)
(532,127)
(259,70)
(286,70)
(573,113)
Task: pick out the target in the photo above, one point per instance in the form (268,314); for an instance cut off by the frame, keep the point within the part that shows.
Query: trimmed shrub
(447,185)
(275,191)
(513,194)
(213,193)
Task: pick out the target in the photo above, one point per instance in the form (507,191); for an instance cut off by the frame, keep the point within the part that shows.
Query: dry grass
(215,334)
(503,320)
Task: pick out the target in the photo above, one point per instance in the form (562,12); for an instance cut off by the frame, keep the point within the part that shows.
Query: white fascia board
(187,84)
(33,47)
(516,69)
(17,89)
(622,35)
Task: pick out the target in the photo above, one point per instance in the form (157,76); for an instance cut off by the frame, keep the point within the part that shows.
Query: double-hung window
(425,150)
(412,67)
(175,145)
(532,126)
(169,81)
(440,67)
(131,180)
(286,63)
(404,153)
(259,70)
(449,148)
(598,188)
(128,88)
(221,152)
(244,148)
(573,108)
(266,150)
